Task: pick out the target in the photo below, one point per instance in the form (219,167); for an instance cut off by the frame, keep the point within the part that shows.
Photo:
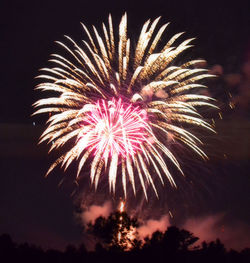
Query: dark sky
(34,209)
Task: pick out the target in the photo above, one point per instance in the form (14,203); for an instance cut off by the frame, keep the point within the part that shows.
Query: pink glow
(114,127)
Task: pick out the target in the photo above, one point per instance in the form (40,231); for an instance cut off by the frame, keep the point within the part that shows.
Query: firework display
(120,106)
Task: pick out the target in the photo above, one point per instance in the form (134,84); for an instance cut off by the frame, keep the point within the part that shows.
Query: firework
(121,107)
(126,233)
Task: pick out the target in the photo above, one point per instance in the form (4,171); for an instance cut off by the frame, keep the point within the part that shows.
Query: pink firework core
(110,127)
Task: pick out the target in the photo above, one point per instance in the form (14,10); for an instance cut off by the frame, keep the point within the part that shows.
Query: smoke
(147,93)
(152,225)
(235,235)
(90,214)
(161,94)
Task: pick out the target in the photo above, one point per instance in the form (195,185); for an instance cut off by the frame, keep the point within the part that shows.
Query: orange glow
(125,237)
(121,209)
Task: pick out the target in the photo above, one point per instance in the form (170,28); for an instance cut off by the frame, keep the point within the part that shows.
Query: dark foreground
(172,246)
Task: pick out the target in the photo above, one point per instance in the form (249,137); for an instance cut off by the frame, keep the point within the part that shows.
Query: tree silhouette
(174,245)
(172,240)
(117,232)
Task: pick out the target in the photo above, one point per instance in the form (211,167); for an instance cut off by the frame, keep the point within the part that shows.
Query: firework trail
(125,234)
(120,107)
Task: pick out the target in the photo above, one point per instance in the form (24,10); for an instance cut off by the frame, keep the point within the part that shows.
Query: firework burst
(120,107)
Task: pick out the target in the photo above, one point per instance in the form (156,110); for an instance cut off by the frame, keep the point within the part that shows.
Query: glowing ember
(121,209)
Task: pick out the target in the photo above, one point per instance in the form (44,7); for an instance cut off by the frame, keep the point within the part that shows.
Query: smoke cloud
(147,93)
(93,212)
(152,225)
(235,235)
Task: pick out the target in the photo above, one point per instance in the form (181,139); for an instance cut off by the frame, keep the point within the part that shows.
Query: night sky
(35,209)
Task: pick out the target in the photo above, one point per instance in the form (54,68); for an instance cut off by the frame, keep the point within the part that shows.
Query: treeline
(153,251)
(118,242)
